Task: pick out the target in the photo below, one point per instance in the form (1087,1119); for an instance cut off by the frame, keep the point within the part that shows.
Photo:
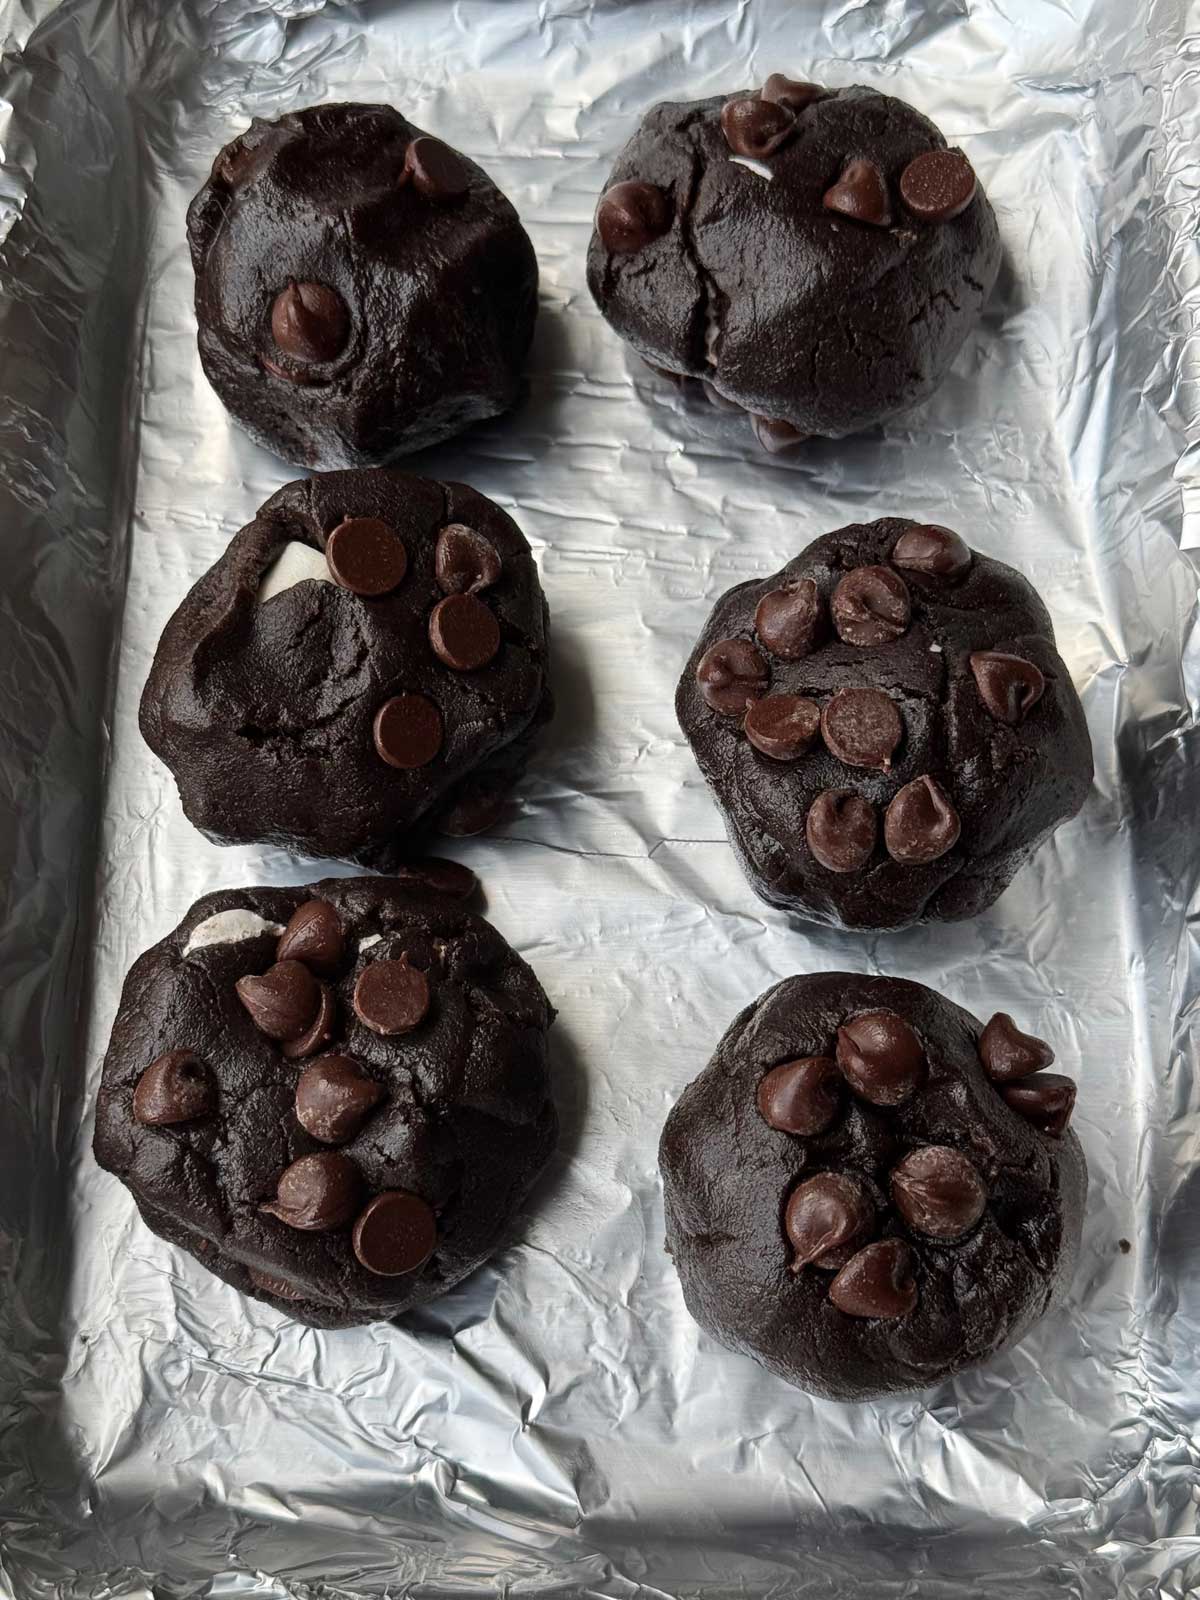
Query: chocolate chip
(826,1215)
(932,551)
(862,727)
(782,726)
(877,1283)
(463,633)
(920,824)
(632,215)
(776,434)
(391,997)
(366,556)
(464,561)
(319,1035)
(1008,685)
(176,1087)
(316,1193)
(861,194)
(408,731)
(754,127)
(437,172)
(790,93)
(732,675)
(801,1096)
(284,1002)
(334,1097)
(313,935)
(310,322)
(881,1057)
(397,1232)
(841,829)
(937,185)
(1047,1101)
(442,877)
(938,1192)
(281,1288)
(790,621)
(871,605)
(474,812)
(1008,1054)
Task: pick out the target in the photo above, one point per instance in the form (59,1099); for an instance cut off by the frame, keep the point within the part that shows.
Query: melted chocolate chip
(319,1034)
(870,606)
(464,562)
(932,552)
(920,824)
(825,1217)
(310,322)
(754,127)
(1008,1054)
(366,556)
(881,1057)
(862,727)
(408,731)
(877,1283)
(791,93)
(782,726)
(436,171)
(442,877)
(316,1193)
(861,194)
(396,1233)
(632,215)
(841,829)
(801,1097)
(790,621)
(313,935)
(174,1088)
(334,1097)
(463,633)
(391,997)
(776,434)
(732,675)
(938,1192)
(1046,1101)
(284,1002)
(1008,685)
(937,185)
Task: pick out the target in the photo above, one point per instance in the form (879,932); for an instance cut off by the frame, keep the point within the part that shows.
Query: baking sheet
(559,1425)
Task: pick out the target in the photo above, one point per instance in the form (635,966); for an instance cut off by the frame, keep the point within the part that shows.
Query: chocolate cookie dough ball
(365,663)
(362,290)
(815,257)
(867,1191)
(335,1097)
(886,726)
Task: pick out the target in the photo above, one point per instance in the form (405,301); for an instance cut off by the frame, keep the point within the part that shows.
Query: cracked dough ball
(886,726)
(368,660)
(815,257)
(857,1240)
(335,1097)
(362,290)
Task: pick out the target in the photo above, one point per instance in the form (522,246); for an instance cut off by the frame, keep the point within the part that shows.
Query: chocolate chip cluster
(889,697)
(293,1004)
(833,1219)
(861,726)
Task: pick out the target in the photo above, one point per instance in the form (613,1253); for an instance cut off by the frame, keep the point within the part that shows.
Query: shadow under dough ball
(362,290)
(867,1191)
(335,1097)
(366,663)
(886,726)
(815,257)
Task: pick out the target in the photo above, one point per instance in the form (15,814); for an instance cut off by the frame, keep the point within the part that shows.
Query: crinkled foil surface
(559,1426)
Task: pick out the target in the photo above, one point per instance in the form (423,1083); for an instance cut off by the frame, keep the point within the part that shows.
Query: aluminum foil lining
(559,1425)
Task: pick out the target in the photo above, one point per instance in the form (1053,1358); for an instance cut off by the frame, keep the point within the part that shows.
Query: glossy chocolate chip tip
(920,824)
(880,1057)
(782,727)
(175,1087)
(391,997)
(1008,1054)
(317,1193)
(861,194)
(871,606)
(801,1097)
(435,170)
(938,1192)
(314,936)
(790,621)
(464,562)
(283,1002)
(825,1216)
(754,126)
(632,215)
(731,674)
(396,1233)
(877,1284)
(1008,685)
(1046,1100)
(309,322)
(841,830)
(334,1097)
(932,552)
(792,93)
(366,556)
(938,185)
(862,728)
